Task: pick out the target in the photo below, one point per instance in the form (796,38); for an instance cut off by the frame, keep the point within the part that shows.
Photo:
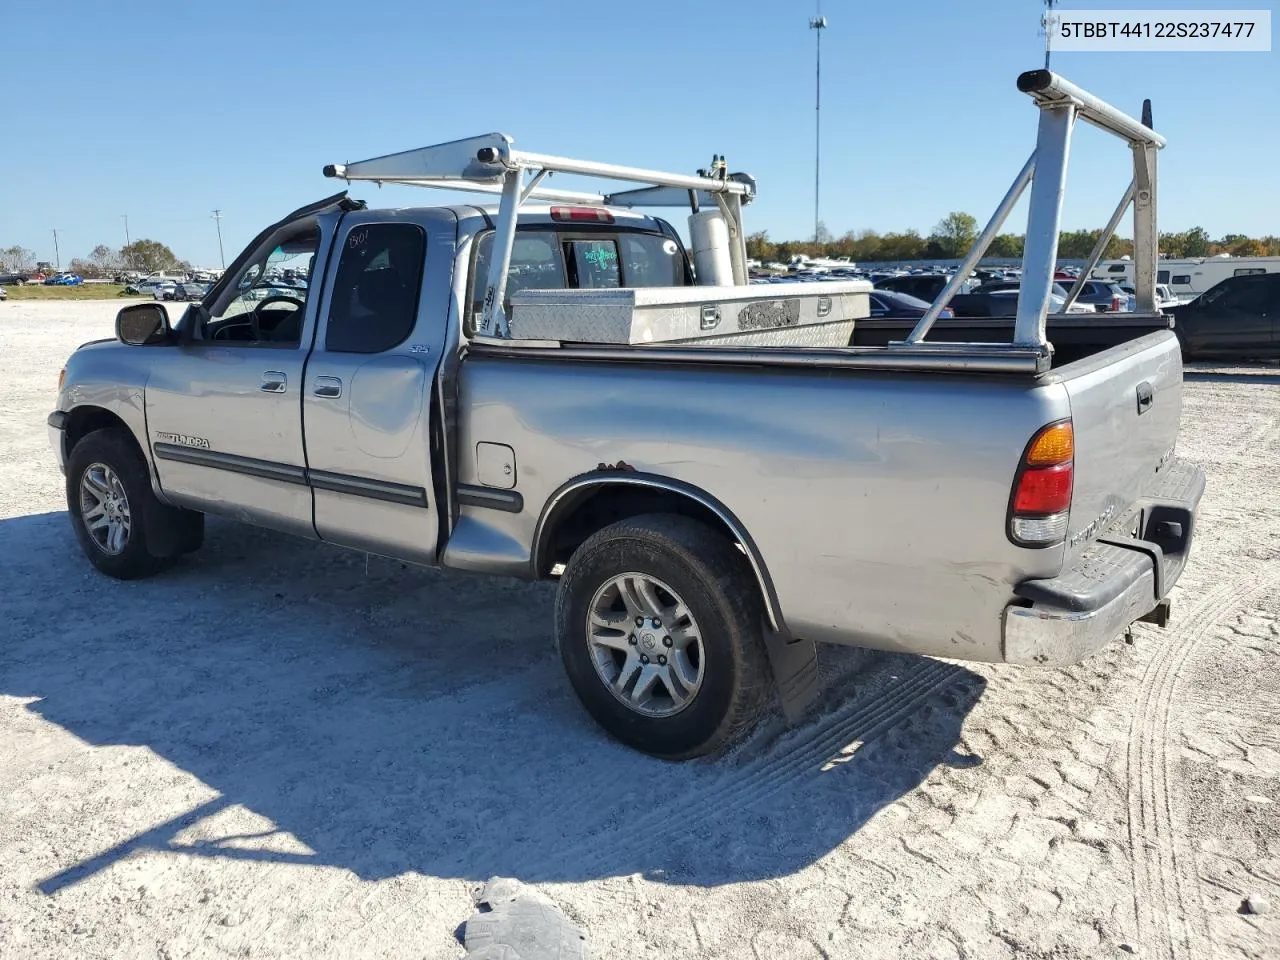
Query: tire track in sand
(1166,896)
(788,761)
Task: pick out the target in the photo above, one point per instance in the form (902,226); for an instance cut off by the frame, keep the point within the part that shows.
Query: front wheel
(658,620)
(124,530)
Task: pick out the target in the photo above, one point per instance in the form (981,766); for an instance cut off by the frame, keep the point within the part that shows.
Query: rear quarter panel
(878,501)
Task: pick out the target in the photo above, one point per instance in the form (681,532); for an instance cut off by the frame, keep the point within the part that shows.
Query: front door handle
(328,387)
(273,381)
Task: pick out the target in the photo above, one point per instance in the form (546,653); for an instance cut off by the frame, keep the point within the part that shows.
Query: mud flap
(795,670)
(172,531)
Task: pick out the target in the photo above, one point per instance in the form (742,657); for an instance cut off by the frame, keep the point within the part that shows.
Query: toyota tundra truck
(718,477)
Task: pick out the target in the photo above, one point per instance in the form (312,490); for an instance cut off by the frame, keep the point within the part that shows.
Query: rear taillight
(1117,303)
(1041,500)
(581,215)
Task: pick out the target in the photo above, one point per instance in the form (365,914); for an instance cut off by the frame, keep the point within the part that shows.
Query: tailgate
(1126,404)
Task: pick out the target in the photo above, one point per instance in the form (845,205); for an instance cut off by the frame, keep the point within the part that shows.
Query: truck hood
(98,343)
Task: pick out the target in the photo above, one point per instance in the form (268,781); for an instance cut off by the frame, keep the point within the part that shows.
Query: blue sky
(165,111)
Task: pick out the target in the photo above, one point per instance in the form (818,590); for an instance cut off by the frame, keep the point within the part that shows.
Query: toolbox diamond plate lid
(774,314)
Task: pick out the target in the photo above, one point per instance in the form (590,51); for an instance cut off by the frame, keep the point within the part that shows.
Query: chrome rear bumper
(1116,581)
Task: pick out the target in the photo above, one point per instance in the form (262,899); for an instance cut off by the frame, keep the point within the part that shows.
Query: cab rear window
(560,260)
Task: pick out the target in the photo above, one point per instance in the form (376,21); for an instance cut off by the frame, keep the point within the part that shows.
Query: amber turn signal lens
(1054,445)
(62,377)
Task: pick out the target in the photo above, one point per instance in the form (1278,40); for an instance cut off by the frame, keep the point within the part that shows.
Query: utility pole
(817,25)
(127,242)
(217,218)
(57,257)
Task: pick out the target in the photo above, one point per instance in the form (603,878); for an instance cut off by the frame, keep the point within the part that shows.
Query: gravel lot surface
(280,749)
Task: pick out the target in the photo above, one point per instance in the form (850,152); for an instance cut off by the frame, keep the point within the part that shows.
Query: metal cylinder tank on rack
(709,235)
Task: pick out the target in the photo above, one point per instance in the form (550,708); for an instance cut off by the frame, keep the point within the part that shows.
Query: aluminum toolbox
(819,314)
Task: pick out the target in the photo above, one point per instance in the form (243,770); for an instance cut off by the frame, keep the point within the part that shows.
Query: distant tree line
(143,256)
(954,235)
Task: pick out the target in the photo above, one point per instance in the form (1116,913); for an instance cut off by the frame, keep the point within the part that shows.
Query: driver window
(265,302)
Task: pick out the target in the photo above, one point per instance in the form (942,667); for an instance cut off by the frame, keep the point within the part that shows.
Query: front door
(224,406)
(367,397)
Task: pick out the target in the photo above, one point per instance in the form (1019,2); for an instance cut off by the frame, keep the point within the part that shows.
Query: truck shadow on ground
(396,719)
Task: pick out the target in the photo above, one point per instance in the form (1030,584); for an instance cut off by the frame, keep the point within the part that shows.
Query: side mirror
(143,324)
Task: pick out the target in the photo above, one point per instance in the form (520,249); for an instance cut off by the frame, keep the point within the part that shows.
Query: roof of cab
(539,213)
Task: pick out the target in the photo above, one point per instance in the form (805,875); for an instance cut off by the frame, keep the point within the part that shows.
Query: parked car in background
(64,280)
(1165,298)
(190,290)
(1004,286)
(1004,303)
(1240,317)
(13,279)
(164,291)
(923,286)
(3,295)
(887,303)
(1103,296)
(147,285)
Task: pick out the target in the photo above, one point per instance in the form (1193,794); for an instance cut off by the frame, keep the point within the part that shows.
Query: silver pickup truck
(712,507)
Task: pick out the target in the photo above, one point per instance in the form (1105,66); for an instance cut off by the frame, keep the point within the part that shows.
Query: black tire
(713,579)
(157,531)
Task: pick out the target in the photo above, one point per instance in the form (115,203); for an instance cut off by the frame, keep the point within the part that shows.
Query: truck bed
(1074,336)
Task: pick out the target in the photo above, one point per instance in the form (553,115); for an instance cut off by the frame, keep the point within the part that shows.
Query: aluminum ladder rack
(489,164)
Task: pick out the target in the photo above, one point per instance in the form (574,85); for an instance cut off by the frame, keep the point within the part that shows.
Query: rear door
(366,404)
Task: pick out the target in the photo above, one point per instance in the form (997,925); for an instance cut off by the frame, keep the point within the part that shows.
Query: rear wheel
(658,621)
(124,530)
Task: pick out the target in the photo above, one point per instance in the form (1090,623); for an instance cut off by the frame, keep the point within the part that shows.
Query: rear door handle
(328,387)
(273,381)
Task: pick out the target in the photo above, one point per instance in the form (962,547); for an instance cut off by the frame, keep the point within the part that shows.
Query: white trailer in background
(1188,278)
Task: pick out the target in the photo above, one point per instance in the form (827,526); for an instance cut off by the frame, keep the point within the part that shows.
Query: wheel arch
(587,503)
(85,419)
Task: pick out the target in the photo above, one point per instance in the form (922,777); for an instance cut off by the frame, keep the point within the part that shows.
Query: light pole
(817,25)
(217,219)
(1048,21)
(127,241)
(57,257)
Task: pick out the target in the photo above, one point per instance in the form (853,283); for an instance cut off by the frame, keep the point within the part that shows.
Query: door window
(374,303)
(265,302)
(1242,294)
